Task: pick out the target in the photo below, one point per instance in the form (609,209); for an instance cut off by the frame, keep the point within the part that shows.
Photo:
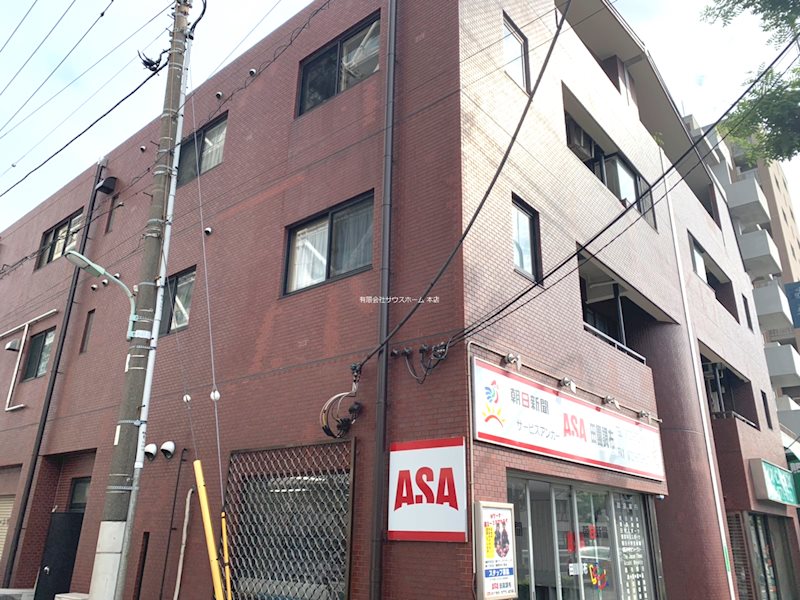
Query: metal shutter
(6,504)
(741,565)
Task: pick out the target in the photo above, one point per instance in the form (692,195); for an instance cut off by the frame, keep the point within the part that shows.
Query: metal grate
(741,568)
(289,522)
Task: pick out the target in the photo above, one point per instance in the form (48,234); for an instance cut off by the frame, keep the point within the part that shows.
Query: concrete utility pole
(111,557)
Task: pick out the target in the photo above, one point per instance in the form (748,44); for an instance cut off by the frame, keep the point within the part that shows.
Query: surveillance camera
(93,287)
(117,276)
(168,449)
(218,95)
(208,231)
(104,282)
(142,148)
(150,451)
(252,72)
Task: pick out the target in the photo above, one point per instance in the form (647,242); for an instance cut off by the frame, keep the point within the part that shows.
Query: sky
(704,66)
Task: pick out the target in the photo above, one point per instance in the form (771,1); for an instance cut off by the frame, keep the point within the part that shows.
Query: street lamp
(95,270)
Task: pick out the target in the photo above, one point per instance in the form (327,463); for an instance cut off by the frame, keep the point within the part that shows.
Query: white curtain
(213,144)
(352,239)
(308,260)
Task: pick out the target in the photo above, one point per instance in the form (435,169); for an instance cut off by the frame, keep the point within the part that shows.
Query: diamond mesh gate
(289,518)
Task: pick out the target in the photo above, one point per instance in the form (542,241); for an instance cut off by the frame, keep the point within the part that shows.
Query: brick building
(587,407)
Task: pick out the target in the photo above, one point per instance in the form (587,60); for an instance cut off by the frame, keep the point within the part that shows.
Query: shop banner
(428,491)
(771,482)
(512,410)
(495,552)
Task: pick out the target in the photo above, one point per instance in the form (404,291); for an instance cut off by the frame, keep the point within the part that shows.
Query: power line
(496,314)
(76,79)
(37,47)
(61,62)
(87,128)
(25,16)
(481,204)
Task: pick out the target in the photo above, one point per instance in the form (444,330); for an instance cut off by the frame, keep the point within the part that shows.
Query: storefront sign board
(515,411)
(495,552)
(771,482)
(428,491)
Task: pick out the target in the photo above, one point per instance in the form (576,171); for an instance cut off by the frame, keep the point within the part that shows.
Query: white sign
(512,410)
(496,555)
(428,491)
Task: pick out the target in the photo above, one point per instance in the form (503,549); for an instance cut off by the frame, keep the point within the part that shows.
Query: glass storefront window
(580,544)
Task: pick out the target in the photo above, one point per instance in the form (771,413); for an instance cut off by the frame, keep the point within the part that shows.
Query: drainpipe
(51,384)
(379,478)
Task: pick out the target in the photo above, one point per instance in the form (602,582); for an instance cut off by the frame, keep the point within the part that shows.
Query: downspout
(51,384)
(380,470)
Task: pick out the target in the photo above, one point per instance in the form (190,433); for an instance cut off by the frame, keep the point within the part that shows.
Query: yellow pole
(226,556)
(213,557)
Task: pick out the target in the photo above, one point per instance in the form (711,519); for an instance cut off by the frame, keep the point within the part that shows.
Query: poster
(495,552)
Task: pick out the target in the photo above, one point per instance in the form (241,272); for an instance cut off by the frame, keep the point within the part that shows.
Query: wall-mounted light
(610,400)
(568,383)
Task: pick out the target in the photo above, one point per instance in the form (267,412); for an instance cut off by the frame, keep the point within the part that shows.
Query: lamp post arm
(132,299)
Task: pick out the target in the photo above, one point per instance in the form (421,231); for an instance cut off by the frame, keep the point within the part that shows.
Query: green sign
(778,483)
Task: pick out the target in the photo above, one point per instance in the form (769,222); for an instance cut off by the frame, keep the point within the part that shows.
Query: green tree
(767,122)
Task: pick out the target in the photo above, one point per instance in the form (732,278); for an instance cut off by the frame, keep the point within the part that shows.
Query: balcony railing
(732,414)
(617,344)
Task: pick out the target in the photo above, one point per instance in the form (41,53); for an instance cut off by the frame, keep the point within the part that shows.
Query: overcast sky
(703,65)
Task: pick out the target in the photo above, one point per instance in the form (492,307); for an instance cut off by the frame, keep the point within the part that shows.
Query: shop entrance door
(580,544)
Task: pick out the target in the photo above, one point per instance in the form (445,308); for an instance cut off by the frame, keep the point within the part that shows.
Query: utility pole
(111,556)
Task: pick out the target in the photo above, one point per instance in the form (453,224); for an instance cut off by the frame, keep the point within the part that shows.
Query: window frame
(37,352)
(47,246)
(337,42)
(328,215)
(516,32)
(192,138)
(168,306)
(534,225)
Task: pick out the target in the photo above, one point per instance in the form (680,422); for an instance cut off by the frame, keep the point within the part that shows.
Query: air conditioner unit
(579,141)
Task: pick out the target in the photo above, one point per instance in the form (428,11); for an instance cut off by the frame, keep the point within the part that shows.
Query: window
(339,65)
(766,409)
(59,239)
(719,282)
(332,245)
(39,354)
(177,301)
(112,212)
(747,312)
(87,331)
(515,53)
(194,160)
(527,248)
(614,170)
(79,494)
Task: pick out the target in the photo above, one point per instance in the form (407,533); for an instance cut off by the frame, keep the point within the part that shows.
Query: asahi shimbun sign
(512,410)
(428,491)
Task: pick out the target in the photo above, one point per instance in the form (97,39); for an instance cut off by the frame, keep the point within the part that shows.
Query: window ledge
(327,281)
(15,407)
(527,276)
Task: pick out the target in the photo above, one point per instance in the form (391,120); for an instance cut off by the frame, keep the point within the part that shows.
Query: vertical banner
(495,551)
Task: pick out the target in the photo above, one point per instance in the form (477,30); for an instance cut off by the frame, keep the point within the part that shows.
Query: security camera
(142,148)
(168,449)
(208,231)
(150,451)
(93,287)
(252,72)
(104,282)
(218,95)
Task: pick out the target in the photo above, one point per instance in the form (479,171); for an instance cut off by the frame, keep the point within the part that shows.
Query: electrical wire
(27,60)
(25,16)
(76,137)
(61,62)
(76,79)
(497,314)
(485,197)
(249,33)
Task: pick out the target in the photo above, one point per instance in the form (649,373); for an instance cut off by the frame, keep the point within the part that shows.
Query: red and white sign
(512,410)
(428,491)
